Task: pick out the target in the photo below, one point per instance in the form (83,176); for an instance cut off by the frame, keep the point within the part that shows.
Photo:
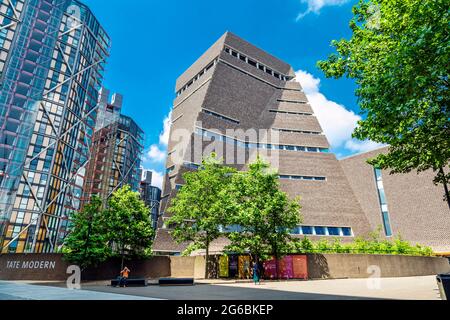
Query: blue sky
(153,42)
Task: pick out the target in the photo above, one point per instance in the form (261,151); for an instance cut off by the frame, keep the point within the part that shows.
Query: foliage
(398,55)
(87,244)
(263,212)
(128,224)
(374,244)
(200,207)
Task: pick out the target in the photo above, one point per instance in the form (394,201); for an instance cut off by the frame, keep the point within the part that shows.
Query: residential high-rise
(115,152)
(52,57)
(151,195)
(240,101)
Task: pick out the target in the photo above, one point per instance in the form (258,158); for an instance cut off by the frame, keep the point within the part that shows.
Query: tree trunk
(277,266)
(207,259)
(123,258)
(444,182)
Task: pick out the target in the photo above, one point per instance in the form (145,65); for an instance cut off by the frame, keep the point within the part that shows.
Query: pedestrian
(124,274)
(261,270)
(256,273)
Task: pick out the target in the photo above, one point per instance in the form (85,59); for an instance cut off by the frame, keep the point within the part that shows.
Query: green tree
(399,56)
(199,208)
(264,213)
(129,225)
(87,243)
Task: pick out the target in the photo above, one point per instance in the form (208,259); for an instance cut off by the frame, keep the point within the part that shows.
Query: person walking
(256,273)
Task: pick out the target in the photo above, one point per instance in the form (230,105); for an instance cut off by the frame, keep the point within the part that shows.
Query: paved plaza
(413,288)
(23,291)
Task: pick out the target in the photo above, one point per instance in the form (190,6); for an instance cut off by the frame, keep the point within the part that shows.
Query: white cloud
(338,123)
(157,178)
(314,6)
(164,136)
(357,146)
(155,154)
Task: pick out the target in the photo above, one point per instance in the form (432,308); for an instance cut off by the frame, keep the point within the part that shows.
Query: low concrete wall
(51,267)
(334,266)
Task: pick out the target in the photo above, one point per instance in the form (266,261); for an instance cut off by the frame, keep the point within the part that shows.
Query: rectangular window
(387,224)
(252,63)
(320,231)
(307,230)
(333,231)
(346,231)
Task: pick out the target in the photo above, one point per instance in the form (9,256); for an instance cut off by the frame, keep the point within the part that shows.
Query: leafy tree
(87,243)
(129,225)
(264,213)
(398,55)
(199,208)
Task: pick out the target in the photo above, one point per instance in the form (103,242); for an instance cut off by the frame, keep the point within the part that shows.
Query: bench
(176,281)
(131,282)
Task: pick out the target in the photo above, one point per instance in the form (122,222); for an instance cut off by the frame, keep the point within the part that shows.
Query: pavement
(412,288)
(25,291)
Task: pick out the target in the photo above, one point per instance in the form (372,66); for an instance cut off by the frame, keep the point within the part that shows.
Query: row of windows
(297,131)
(291,112)
(198,76)
(249,145)
(323,231)
(211,113)
(195,166)
(304,230)
(309,178)
(292,101)
(256,64)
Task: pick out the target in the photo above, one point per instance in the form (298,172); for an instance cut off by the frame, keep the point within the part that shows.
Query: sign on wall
(223,267)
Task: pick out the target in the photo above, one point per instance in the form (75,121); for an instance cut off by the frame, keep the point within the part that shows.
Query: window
(333,231)
(220,116)
(387,224)
(256,64)
(383,202)
(320,231)
(291,112)
(250,145)
(346,231)
(307,230)
(252,63)
(170,170)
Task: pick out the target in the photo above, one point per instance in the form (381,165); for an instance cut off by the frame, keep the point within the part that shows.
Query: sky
(154,42)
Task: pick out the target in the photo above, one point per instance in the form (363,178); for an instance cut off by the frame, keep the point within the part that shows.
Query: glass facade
(50,83)
(152,197)
(383,203)
(115,157)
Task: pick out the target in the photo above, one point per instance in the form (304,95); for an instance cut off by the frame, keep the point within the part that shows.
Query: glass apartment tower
(151,195)
(52,57)
(116,151)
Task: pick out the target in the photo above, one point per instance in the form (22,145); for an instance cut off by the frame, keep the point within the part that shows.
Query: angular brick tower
(236,86)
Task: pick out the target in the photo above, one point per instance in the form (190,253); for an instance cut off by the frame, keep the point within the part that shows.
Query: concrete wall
(51,267)
(335,266)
